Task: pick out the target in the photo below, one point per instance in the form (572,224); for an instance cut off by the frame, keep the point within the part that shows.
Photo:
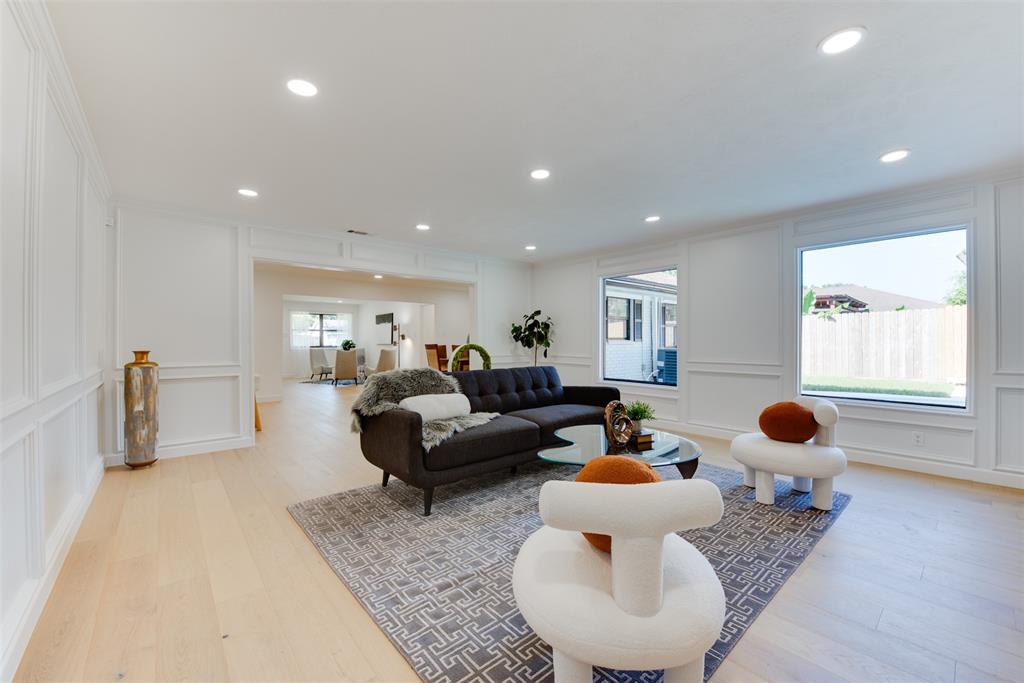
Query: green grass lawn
(897,387)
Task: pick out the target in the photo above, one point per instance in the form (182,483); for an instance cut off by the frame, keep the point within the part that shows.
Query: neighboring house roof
(660,277)
(876,299)
(659,281)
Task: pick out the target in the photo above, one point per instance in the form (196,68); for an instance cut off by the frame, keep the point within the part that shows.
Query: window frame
(627,320)
(319,330)
(663,326)
(636,320)
(655,388)
(967,410)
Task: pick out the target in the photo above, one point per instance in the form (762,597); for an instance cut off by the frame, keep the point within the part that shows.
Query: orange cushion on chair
(614,469)
(788,421)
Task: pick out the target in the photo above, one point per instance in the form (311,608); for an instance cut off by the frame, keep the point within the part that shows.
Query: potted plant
(638,411)
(534,333)
(348,345)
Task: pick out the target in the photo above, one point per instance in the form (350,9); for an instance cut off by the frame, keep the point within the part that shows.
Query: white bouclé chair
(812,464)
(654,603)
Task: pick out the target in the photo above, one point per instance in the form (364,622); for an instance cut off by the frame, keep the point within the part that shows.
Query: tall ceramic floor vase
(140,410)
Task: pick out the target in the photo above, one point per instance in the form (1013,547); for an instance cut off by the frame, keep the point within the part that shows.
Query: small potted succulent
(638,411)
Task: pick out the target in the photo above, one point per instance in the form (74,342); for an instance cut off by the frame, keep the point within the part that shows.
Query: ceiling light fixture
(378,277)
(841,41)
(652,219)
(530,247)
(540,174)
(423,226)
(246,192)
(895,155)
(302,88)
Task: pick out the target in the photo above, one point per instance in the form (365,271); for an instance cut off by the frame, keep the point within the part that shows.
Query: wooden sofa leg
(384,480)
(428,499)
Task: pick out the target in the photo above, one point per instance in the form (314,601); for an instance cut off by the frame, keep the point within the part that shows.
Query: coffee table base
(688,468)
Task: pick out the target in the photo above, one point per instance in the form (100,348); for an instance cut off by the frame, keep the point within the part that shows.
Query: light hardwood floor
(194,570)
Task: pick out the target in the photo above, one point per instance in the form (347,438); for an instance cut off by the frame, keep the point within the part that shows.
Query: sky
(922,266)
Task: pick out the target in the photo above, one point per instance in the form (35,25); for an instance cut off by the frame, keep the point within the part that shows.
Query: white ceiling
(703,113)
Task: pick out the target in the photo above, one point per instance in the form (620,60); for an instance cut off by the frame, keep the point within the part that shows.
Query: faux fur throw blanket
(383,391)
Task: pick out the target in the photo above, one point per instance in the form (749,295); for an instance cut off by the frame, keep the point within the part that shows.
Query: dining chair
(387,361)
(346,366)
(318,364)
(432,357)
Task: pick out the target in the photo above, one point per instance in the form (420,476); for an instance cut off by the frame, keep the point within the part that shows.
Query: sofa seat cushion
(550,418)
(504,435)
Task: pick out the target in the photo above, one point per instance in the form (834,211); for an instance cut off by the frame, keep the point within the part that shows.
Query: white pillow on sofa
(436,406)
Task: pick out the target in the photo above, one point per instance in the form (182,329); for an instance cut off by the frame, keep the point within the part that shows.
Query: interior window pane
(330,322)
(636,348)
(887,320)
(302,338)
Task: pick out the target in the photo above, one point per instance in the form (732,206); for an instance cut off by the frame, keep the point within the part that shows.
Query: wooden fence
(928,344)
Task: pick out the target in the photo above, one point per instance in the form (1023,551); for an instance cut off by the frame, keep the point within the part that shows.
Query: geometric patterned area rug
(440,587)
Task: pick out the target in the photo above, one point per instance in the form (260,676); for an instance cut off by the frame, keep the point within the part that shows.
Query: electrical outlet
(918,438)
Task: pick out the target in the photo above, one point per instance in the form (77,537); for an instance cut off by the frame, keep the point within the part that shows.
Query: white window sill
(913,408)
(642,388)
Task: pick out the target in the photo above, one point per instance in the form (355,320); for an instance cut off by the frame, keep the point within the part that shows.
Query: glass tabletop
(589,442)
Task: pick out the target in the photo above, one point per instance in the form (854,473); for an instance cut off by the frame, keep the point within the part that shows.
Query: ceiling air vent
(356,232)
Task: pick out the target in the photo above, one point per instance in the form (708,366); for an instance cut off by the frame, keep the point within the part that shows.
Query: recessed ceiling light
(378,277)
(895,155)
(246,192)
(540,174)
(423,226)
(841,41)
(530,247)
(653,219)
(340,301)
(302,88)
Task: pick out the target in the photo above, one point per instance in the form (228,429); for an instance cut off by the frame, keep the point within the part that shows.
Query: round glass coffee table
(589,442)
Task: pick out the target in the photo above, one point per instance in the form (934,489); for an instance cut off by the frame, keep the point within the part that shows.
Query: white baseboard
(39,592)
(869,457)
(191,448)
(940,469)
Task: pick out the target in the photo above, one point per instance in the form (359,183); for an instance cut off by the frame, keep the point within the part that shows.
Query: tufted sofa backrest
(507,389)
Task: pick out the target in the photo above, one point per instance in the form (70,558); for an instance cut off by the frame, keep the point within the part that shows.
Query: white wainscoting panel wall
(739,307)
(184,294)
(185,291)
(53,309)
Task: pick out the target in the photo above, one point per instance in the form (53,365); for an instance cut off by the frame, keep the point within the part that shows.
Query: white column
(765,485)
(569,670)
(821,493)
(802,484)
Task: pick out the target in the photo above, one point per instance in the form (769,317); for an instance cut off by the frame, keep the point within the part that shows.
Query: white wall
(410,319)
(185,290)
(183,293)
(53,296)
(737,357)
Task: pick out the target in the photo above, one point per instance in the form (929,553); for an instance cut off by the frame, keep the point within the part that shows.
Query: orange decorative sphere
(614,469)
(787,421)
